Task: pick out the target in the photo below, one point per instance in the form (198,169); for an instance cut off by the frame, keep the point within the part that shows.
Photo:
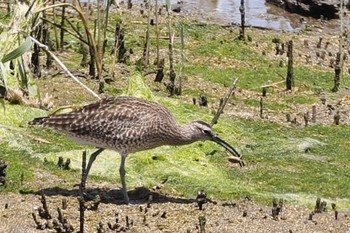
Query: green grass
(283,168)
(276,162)
(18,164)
(292,162)
(301,99)
(213,45)
(262,74)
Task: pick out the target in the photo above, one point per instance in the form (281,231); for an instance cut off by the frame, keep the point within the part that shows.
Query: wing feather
(112,121)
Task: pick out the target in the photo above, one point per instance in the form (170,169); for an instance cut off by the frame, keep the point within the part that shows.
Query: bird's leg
(91,160)
(122,177)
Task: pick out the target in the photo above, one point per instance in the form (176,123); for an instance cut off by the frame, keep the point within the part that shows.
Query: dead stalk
(222,106)
(65,69)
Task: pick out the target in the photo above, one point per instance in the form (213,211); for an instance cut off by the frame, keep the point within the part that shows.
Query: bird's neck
(182,135)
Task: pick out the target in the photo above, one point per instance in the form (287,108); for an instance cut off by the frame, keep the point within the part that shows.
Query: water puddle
(258,13)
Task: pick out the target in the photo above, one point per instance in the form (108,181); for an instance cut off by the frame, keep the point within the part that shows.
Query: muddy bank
(168,215)
(328,9)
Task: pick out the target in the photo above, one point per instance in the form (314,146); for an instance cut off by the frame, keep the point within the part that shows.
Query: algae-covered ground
(297,160)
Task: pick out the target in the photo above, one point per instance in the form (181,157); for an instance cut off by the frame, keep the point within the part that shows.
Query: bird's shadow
(139,195)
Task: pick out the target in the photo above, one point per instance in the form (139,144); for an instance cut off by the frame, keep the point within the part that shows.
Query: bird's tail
(37,121)
(60,122)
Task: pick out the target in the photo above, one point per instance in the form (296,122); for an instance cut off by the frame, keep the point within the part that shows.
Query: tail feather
(60,122)
(37,121)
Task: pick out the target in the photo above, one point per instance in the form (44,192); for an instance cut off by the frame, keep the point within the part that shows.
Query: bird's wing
(118,118)
(111,121)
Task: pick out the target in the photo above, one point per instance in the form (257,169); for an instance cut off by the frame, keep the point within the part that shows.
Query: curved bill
(229,148)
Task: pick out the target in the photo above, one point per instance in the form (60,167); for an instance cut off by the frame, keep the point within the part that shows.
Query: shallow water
(257,12)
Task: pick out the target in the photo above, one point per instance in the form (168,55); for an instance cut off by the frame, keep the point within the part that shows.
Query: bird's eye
(206,131)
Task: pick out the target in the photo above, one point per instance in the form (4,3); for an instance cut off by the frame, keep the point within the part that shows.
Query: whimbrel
(128,125)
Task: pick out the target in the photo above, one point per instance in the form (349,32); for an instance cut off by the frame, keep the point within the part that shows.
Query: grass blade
(23,48)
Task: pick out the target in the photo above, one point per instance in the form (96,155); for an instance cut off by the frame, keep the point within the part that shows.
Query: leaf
(23,48)
(3,74)
(23,74)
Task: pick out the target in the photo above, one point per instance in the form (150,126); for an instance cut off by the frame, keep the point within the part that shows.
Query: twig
(290,72)
(273,84)
(147,43)
(62,26)
(39,225)
(64,67)
(202,221)
(157,33)
(261,107)
(79,36)
(76,6)
(55,28)
(222,106)
(44,212)
(241,32)
(81,194)
(179,92)
(3,167)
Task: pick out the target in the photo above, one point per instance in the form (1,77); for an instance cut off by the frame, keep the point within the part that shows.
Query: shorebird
(128,125)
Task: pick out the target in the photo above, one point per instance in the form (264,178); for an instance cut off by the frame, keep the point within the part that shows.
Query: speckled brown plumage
(127,125)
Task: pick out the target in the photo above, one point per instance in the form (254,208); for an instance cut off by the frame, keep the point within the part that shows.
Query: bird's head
(205,132)
(202,131)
